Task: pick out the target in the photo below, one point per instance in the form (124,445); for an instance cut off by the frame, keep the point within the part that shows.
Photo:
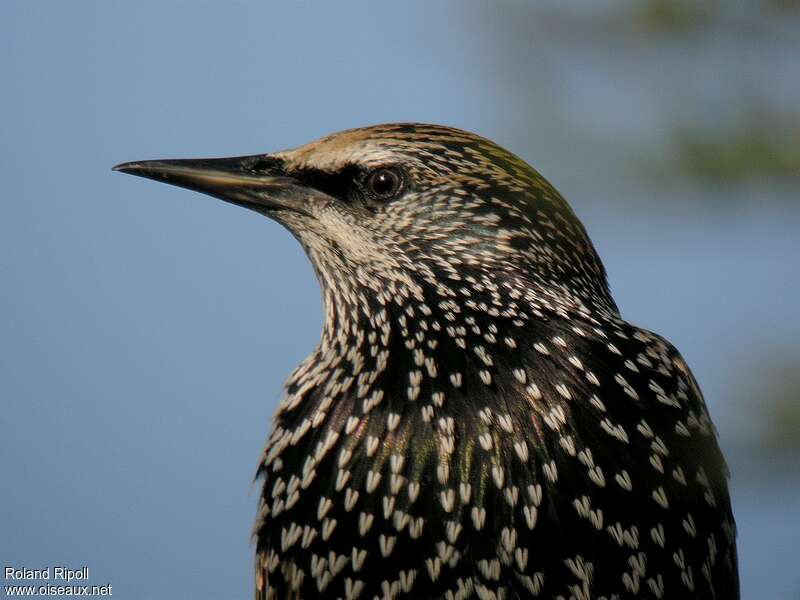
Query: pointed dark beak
(255,182)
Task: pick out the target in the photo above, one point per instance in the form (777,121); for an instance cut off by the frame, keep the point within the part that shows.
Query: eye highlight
(384,183)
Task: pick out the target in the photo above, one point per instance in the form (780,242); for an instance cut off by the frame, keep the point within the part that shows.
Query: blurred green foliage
(714,85)
(677,16)
(674,15)
(773,398)
(759,147)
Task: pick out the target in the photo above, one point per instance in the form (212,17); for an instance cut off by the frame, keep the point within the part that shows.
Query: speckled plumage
(477,421)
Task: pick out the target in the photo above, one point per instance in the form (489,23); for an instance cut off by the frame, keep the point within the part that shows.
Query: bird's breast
(541,456)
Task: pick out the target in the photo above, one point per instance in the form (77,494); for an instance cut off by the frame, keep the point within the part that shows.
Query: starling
(477,421)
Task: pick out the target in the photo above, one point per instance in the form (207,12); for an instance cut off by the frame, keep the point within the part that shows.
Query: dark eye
(384,183)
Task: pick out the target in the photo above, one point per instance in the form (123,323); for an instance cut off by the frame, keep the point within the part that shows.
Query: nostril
(264,165)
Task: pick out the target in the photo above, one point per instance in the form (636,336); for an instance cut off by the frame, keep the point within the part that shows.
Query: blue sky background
(145,331)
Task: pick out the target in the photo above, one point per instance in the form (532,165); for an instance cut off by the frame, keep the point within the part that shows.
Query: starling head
(477,420)
(408,204)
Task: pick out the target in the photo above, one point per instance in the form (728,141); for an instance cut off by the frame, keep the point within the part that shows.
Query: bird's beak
(243,180)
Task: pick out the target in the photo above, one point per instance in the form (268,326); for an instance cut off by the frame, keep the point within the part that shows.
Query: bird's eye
(384,183)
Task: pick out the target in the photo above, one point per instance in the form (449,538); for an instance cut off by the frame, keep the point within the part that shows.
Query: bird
(477,419)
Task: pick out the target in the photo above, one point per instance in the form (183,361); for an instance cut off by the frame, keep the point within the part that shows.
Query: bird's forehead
(335,152)
(375,146)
